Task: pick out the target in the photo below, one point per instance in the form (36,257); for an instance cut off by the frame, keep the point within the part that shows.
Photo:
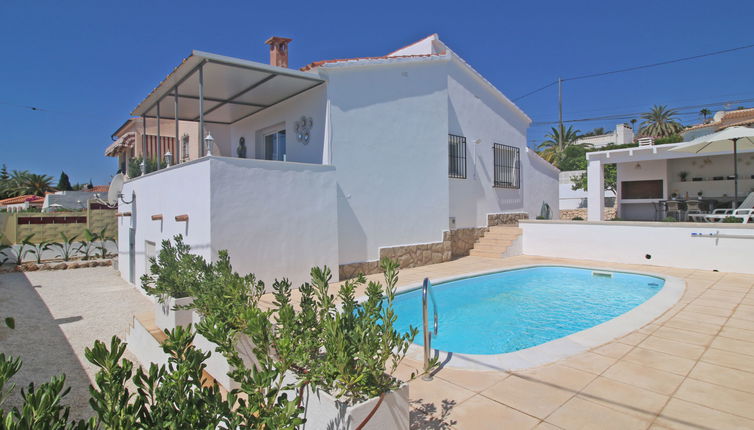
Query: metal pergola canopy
(229,89)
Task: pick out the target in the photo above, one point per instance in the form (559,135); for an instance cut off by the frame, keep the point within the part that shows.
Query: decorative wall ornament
(241,150)
(303,127)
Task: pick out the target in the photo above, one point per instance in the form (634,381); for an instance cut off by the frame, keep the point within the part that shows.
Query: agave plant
(87,244)
(66,249)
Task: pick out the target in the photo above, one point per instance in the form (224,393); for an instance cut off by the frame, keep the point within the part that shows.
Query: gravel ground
(58,314)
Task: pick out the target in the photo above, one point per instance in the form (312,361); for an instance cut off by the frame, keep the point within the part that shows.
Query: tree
(705,113)
(660,122)
(64,184)
(90,185)
(4,173)
(611,179)
(553,149)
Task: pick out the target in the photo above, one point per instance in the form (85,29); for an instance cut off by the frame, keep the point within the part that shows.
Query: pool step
(496,242)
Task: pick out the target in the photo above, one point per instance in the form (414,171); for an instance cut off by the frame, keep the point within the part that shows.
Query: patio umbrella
(731,138)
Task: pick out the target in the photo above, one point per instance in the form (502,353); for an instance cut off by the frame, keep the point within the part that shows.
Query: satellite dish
(116,186)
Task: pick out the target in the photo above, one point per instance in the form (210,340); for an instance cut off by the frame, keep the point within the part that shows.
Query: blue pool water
(517,309)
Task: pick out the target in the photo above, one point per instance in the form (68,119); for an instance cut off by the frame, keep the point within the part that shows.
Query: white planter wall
(323,411)
(668,244)
(276,219)
(166,317)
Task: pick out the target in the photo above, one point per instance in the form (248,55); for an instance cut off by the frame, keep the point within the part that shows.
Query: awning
(232,89)
(124,142)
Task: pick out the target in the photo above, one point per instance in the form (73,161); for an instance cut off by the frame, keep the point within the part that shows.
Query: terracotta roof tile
(19,199)
(384,57)
(99,189)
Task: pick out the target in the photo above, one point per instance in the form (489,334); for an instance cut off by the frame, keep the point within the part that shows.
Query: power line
(643,66)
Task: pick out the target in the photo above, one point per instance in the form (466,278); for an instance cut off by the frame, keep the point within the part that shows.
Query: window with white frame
(507,166)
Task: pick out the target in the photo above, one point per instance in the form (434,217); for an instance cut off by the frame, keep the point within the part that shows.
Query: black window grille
(456,156)
(507,166)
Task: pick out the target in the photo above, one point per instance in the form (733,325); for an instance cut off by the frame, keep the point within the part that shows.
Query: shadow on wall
(352,240)
(41,344)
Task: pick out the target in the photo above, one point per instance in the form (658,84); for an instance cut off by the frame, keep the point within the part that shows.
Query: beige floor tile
(709,310)
(716,397)
(644,377)
(685,336)
(734,345)
(725,376)
(534,398)
(728,359)
(435,393)
(589,362)
(481,413)
(693,326)
(624,397)
(660,361)
(583,414)
(546,426)
(714,303)
(740,323)
(613,350)
(685,350)
(737,333)
(690,315)
(634,338)
(471,380)
(745,312)
(558,375)
(682,415)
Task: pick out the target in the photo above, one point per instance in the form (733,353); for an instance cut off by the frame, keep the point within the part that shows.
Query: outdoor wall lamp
(208,141)
(168,159)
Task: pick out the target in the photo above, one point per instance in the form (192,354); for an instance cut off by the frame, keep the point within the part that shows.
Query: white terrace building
(407,155)
(653,173)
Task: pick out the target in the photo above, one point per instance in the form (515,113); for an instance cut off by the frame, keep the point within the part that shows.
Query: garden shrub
(577,218)
(732,220)
(669,219)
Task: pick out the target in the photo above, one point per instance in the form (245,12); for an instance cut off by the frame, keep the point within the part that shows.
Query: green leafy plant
(683,175)
(103,239)
(86,247)
(175,272)
(732,220)
(577,218)
(616,219)
(36,249)
(669,219)
(66,246)
(16,254)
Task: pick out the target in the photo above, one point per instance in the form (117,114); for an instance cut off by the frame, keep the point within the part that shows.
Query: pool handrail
(428,291)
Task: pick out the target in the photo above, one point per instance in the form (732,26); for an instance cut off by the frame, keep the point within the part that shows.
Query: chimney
(278,50)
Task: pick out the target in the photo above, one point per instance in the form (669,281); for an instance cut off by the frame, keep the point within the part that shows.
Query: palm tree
(705,113)
(660,122)
(31,183)
(557,141)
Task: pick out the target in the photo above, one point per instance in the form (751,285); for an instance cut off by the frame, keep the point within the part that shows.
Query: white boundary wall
(668,244)
(276,219)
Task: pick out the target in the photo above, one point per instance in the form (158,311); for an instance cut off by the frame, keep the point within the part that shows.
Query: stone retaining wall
(455,243)
(571,213)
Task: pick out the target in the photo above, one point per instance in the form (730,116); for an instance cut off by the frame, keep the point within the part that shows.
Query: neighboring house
(76,200)
(720,120)
(622,135)
(407,155)
(19,203)
(125,139)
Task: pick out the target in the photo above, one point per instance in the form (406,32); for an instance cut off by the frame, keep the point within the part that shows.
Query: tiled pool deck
(692,368)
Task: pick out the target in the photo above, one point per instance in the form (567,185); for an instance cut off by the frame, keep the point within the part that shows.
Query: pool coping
(564,347)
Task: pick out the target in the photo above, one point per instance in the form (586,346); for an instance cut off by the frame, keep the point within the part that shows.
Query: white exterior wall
(276,219)
(668,244)
(310,104)
(641,171)
(484,118)
(389,143)
(183,189)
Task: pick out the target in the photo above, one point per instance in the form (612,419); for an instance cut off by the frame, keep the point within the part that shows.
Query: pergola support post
(595,191)
(159,138)
(201,111)
(177,136)
(144,145)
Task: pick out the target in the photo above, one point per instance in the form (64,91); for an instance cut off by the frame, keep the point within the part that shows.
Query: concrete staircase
(496,242)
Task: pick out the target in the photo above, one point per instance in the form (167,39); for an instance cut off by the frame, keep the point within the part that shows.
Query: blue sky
(90,63)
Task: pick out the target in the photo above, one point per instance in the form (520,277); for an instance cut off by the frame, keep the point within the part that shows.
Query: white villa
(410,155)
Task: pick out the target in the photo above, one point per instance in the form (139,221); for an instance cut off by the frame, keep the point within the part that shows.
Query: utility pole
(560,112)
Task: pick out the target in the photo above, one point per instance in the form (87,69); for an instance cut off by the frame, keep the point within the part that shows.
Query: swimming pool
(517,309)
